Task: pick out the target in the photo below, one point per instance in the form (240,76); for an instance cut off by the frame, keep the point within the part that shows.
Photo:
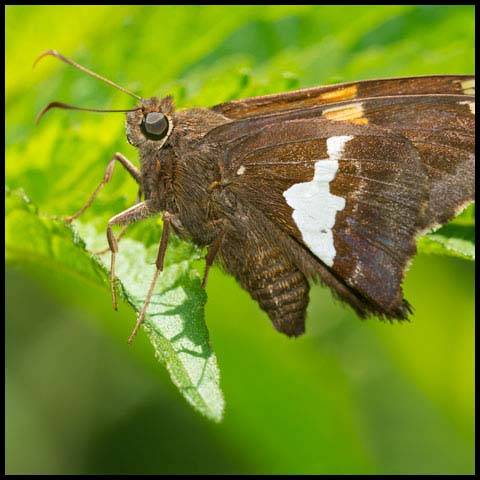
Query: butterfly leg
(124,229)
(211,254)
(118,157)
(139,211)
(162,248)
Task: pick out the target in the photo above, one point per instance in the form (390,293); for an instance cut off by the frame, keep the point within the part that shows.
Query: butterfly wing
(351,91)
(352,183)
(441,127)
(350,195)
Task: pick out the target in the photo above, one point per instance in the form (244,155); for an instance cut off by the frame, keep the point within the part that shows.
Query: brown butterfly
(331,184)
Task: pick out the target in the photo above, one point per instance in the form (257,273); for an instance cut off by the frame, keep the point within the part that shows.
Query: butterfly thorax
(195,173)
(179,170)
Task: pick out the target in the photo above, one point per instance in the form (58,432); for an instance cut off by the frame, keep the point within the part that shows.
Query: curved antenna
(54,53)
(64,106)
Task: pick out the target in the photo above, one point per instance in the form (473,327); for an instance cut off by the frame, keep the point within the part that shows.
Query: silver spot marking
(314,207)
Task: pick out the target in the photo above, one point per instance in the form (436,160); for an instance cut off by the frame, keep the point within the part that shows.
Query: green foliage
(175,318)
(456,239)
(349,397)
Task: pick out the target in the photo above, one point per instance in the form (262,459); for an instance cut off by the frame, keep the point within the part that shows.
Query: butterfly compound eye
(155,125)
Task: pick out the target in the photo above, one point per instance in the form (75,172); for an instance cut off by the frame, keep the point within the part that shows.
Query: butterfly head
(152,122)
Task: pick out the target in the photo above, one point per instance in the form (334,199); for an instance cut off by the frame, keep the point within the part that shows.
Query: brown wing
(407,165)
(441,127)
(384,186)
(352,91)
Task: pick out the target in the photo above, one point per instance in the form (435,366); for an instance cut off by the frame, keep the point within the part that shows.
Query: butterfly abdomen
(279,287)
(284,297)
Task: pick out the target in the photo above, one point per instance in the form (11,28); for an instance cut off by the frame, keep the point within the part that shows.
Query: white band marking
(314,207)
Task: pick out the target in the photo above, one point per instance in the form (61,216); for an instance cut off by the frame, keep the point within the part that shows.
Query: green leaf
(175,317)
(450,246)
(456,239)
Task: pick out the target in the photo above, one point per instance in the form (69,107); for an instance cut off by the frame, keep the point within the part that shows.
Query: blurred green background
(347,397)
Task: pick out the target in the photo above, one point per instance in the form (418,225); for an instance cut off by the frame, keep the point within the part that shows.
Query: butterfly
(329,184)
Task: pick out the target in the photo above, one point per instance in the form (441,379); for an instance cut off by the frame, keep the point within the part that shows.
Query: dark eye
(155,125)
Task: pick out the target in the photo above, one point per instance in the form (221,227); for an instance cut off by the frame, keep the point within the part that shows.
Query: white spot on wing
(471,105)
(241,170)
(314,207)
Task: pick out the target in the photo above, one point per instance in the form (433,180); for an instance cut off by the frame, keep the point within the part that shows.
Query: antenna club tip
(39,116)
(51,52)
(45,109)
